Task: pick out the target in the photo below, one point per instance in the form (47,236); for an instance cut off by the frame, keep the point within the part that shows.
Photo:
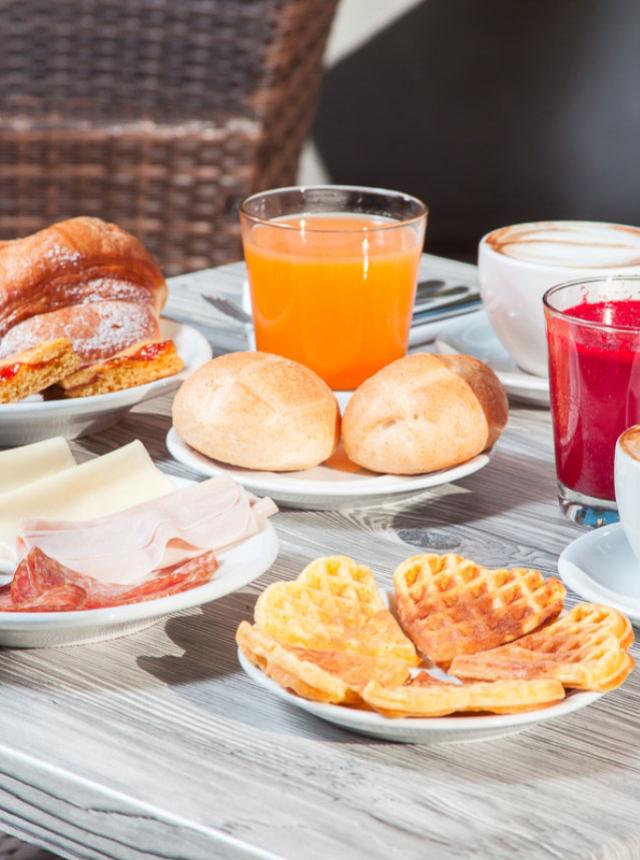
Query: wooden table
(158,745)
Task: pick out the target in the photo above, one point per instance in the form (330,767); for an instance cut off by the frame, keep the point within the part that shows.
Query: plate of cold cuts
(70,581)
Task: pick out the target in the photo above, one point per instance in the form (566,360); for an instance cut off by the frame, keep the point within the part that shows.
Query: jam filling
(148,352)
(9,371)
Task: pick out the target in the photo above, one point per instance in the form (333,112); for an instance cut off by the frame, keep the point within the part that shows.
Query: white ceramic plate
(34,419)
(421,730)
(238,567)
(473,335)
(336,483)
(600,566)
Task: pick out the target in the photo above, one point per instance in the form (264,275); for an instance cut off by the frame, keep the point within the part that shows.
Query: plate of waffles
(458,652)
(36,418)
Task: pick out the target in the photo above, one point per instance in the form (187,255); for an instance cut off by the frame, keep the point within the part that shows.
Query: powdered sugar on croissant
(83,279)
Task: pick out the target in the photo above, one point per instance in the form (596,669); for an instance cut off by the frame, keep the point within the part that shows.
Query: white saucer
(472,335)
(421,730)
(238,567)
(34,419)
(334,484)
(600,566)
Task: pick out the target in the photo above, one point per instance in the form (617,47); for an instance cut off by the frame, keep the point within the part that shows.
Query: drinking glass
(593,335)
(332,272)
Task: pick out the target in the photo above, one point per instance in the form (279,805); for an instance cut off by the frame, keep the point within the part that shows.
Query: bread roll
(258,411)
(423,413)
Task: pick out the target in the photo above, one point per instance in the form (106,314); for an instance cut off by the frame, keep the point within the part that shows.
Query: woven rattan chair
(159,115)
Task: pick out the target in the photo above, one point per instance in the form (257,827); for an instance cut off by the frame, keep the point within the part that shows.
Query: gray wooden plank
(157,745)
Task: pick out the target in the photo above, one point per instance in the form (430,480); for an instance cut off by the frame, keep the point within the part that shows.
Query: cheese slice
(21,466)
(105,485)
(126,547)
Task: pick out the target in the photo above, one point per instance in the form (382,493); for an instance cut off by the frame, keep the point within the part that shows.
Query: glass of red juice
(593,335)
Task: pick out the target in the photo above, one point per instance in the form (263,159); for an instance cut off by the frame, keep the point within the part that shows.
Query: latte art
(630,442)
(570,244)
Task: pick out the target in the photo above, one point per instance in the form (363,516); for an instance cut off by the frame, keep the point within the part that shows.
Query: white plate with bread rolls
(81,337)
(275,427)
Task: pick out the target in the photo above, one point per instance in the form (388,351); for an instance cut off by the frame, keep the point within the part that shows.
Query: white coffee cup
(518,264)
(627,482)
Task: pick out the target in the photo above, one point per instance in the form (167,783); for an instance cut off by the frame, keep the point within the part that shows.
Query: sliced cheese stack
(65,491)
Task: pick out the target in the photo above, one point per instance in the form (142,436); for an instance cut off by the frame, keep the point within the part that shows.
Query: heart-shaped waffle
(584,650)
(334,605)
(426,696)
(449,605)
(323,676)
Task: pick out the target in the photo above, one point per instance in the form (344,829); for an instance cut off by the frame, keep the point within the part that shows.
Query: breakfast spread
(73,296)
(259,411)
(329,637)
(80,309)
(424,412)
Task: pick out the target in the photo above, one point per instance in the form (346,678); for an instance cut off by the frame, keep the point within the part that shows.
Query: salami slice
(35,575)
(172,580)
(6,601)
(41,584)
(60,598)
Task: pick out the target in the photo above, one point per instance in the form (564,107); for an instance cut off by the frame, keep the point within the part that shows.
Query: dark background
(493,112)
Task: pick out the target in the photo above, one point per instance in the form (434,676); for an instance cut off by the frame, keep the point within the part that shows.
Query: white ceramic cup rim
(535,265)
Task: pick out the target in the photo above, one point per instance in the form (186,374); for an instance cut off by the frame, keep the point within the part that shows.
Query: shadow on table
(210,652)
(510,481)
(207,639)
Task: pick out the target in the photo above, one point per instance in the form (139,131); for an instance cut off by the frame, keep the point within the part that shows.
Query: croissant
(83,279)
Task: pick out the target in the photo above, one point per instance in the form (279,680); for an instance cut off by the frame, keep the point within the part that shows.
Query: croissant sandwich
(82,279)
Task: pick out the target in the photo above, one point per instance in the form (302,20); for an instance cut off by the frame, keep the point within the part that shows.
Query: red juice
(594,376)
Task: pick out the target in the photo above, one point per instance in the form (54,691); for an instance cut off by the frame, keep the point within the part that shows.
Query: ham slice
(41,584)
(126,547)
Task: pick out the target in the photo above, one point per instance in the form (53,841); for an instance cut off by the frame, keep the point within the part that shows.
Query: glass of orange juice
(333,271)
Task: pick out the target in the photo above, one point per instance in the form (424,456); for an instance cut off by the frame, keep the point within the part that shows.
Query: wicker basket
(160,115)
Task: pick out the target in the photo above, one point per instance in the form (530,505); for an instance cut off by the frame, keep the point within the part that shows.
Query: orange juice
(333,291)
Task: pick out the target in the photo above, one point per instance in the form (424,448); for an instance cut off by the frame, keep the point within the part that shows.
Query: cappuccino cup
(518,264)
(627,483)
